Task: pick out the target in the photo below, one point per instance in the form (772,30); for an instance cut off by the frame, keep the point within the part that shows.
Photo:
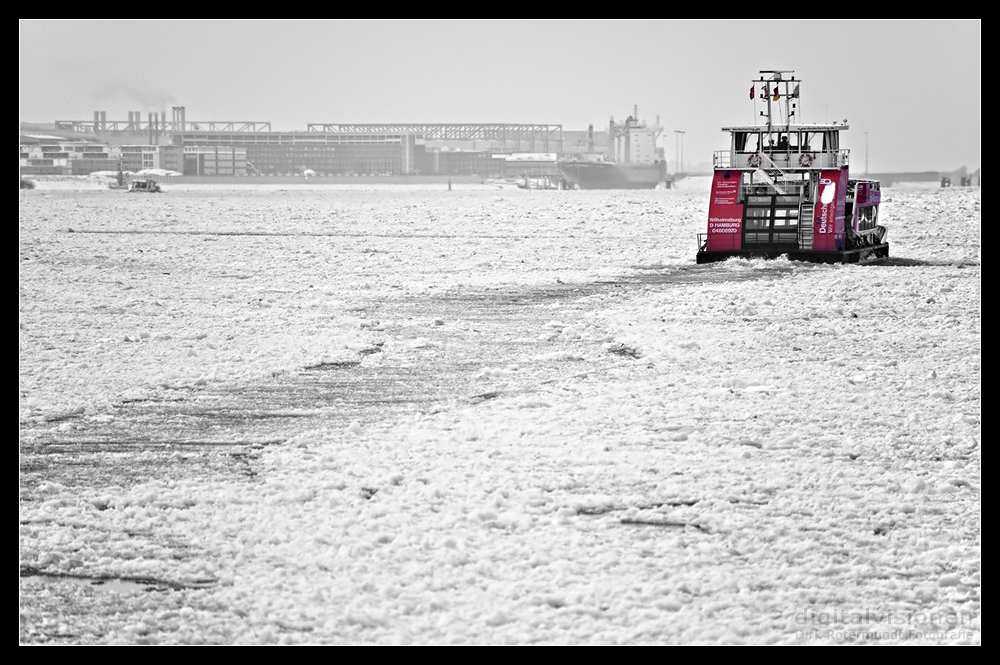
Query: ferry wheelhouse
(782,188)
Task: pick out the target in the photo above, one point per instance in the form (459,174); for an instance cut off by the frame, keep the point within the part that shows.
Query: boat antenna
(775,87)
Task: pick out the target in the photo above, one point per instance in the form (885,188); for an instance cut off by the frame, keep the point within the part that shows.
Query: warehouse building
(135,158)
(218,160)
(47,155)
(250,148)
(292,153)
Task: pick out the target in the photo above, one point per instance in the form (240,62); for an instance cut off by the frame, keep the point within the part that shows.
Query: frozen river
(405,415)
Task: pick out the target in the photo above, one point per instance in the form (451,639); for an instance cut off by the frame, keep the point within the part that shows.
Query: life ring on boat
(805,159)
(754,161)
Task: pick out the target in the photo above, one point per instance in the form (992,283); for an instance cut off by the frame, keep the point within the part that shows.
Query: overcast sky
(915,87)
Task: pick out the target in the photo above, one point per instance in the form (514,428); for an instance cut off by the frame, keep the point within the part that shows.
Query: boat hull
(856,255)
(612,175)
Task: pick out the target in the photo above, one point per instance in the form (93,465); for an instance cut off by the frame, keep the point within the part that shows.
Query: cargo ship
(782,188)
(581,174)
(630,163)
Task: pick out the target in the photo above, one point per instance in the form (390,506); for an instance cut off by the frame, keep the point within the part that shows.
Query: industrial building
(52,155)
(251,148)
(292,153)
(218,160)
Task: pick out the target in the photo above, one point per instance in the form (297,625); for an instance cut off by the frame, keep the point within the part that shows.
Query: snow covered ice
(480,416)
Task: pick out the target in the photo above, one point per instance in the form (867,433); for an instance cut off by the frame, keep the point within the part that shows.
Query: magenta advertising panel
(828,224)
(725,213)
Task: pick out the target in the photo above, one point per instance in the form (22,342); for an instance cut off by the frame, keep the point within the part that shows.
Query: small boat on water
(782,188)
(146,185)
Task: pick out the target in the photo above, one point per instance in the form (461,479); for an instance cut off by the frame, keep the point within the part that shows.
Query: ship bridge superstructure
(790,147)
(779,148)
(631,141)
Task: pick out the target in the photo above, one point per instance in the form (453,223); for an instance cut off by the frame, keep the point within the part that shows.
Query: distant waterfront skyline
(914,87)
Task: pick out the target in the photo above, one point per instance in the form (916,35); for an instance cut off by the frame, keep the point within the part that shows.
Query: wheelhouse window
(746,141)
(811,141)
(867,218)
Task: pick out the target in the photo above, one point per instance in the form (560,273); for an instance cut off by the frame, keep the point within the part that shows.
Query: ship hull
(856,255)
(612,175)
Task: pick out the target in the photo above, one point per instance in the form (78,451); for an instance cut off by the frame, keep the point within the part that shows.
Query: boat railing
(722,159)
(782,160)
(719,242)
(787,187)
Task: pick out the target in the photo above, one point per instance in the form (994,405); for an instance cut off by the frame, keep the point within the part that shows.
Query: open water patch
(112,584)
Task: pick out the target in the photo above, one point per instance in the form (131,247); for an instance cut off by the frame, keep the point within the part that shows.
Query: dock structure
(157,123)
(538,137)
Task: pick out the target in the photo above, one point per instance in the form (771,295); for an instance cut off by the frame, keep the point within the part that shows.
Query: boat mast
(773,88)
